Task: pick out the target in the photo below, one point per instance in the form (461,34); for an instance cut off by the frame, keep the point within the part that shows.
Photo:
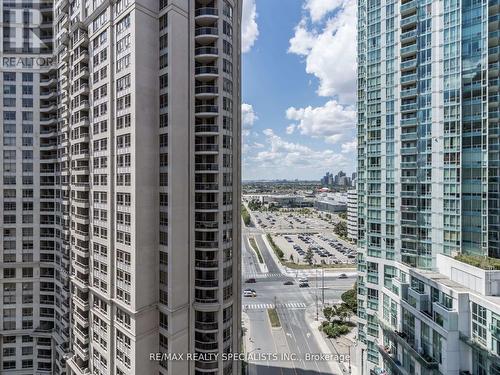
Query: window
(122,317)
(9,273)
(123,121)
(123,199)
(9,76)
(123,44)
(123,24)
(123,141)
(123,63)
(123,83)
(123,102)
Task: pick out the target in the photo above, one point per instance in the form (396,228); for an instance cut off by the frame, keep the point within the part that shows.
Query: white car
(247,293)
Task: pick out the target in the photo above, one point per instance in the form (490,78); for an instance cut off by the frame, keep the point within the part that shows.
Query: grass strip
(256,249)
(274,318)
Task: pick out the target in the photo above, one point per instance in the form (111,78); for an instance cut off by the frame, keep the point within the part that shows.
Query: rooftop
(485,263)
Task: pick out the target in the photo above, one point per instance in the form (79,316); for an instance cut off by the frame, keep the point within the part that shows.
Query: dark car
(342,276)
(288,282)
(250,281)
(304,285)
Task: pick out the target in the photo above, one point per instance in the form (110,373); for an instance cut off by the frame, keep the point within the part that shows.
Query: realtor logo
(27,32)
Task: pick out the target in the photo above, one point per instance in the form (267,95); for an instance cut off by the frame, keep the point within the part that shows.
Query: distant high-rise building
(121,188)
(428,186)
(327,179)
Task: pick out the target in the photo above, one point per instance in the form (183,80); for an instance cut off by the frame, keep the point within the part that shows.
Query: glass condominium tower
(428,178)
(121,190)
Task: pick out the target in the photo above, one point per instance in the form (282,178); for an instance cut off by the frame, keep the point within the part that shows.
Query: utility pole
(362,365)
(349,358)
(323,286)
(317,308)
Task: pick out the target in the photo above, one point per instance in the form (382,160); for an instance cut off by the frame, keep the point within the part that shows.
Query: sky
(298,88)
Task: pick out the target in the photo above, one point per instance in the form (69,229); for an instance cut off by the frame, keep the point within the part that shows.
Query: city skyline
(305,122)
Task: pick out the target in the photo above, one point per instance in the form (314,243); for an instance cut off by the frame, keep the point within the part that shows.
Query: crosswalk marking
(264,275)
(262,306)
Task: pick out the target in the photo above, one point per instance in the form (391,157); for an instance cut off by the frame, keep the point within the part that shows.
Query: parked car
(251,281)
(304,285)
(289,282)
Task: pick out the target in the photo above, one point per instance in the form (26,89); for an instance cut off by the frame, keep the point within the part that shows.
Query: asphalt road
(291,302)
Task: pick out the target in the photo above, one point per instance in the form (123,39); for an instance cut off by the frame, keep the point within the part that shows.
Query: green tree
(309,257)
(340,229)
(329,313)
(350,298)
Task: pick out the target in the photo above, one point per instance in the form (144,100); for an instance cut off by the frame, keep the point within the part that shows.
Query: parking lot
(309,219)
(326,248)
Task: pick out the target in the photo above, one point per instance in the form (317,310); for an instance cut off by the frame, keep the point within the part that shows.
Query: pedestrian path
(262,306)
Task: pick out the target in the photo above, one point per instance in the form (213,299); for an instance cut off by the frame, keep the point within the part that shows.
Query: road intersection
(298,343)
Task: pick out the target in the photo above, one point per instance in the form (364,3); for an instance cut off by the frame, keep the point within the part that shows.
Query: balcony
(207,167)
(206,91)
(449,317)
(208,264)
(206,245)
(204,111)
(402,339)
(409,21)
(205,54)
(412,121)
(411,107)
(409,36)
(205,16)
(393,360)
(206,34)
(204,73)
(205,346)
(408,151)
(409,7)
(409,64)
(206,148)
(409,79)
(409,93)
(206,128)
(409,136)
(206,186)
(409,50)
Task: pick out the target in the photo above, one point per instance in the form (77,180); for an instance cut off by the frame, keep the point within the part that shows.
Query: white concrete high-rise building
(130,239)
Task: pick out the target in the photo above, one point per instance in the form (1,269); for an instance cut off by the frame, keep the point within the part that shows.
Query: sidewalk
(310,314)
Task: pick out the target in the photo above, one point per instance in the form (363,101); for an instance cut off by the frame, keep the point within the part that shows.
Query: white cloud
(290,128)
(248,118)
(249,27)
(320,8)
(349,147)
(330,49)
(332,121)
(283,154)
(248,115)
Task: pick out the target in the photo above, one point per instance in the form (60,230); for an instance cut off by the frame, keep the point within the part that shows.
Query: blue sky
(298,88)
